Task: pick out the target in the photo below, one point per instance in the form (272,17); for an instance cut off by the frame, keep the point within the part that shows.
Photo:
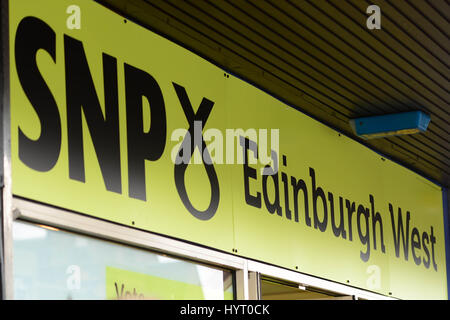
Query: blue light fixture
(390,124)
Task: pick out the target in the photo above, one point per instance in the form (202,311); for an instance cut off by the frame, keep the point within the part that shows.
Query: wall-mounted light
(390,124)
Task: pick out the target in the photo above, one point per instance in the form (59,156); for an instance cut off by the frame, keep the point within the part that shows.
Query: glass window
(273,289)
(54,264)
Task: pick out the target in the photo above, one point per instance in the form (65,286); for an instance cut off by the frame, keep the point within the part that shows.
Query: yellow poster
(129,285)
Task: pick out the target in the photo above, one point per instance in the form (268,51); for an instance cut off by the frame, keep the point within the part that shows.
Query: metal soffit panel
(319,57)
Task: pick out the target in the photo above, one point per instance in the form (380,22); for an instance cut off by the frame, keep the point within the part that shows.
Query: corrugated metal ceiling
(320,57)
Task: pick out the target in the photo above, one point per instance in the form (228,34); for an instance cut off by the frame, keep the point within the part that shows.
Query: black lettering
(43,153)
(365,238)
(338,231)
(350,210)
(119,295)
(427,262)
(300,185)
(376,217)
(316,193)
(400,231)
(284,178)
(143,145)
(415,244)
(275,205)
(81,98)
(249,172)
(433,242)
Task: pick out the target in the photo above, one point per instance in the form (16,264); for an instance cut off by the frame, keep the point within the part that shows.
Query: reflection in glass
(55,264)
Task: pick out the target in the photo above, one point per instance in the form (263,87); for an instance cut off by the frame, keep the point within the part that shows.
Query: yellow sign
(109,119)
(128,285)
